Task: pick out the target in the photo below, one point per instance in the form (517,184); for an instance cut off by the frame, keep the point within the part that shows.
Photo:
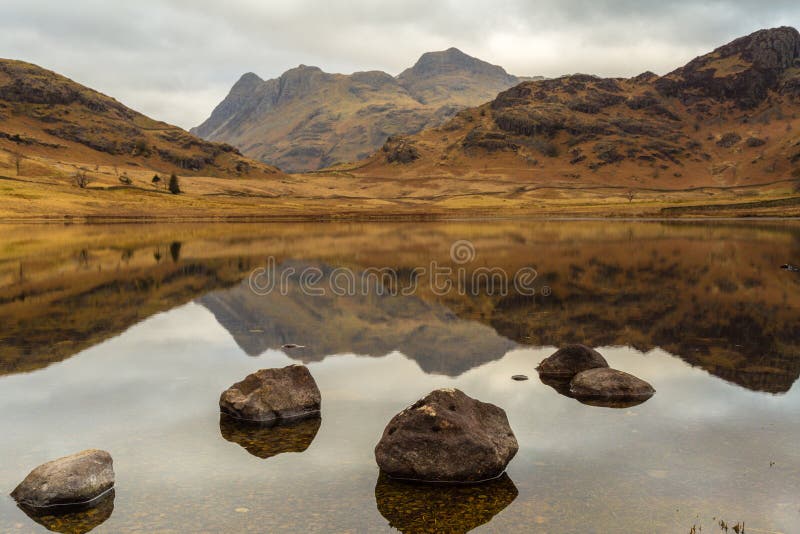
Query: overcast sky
(176,59)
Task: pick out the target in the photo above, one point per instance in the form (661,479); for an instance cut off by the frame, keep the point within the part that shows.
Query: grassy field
(45,189)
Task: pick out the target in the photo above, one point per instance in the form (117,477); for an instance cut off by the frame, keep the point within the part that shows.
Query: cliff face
(43,112)
(308,119)
(727,118)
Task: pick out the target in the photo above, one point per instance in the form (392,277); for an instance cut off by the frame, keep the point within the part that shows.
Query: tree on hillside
(81,178)
(156,179)
(631,194)
(174,185)
(17,157)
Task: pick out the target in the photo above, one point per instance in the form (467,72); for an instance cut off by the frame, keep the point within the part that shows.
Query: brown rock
(271,394)
(75,480)
(609,384)
(447,437)
(571,360)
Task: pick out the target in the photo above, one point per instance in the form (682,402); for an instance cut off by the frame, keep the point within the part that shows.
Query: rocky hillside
(308,119)
(727,118)
(45,114)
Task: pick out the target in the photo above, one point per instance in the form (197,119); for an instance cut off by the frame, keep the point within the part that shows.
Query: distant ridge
(307,119)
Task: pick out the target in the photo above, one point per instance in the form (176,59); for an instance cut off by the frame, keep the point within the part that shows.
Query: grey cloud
(175,59)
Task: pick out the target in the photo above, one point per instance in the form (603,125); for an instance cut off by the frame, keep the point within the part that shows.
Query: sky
(175,60)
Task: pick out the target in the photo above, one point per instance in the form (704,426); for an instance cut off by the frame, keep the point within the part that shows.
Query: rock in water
(519,378)
(72,481)
(571,360)
(271,394)
(447,437)
(609,384)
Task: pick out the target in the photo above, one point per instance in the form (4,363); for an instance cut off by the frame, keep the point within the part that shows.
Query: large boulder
(69,482)
(447,437)
(267,440)
(610,385)
(454,508)
(272,394)
(571,360)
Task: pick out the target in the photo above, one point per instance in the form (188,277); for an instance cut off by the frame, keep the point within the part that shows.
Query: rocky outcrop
(744,70)
(447,436)
(273,395)
(400,150)
(569,361)
(70,482)
(604,384)
(268,440)
(414,508)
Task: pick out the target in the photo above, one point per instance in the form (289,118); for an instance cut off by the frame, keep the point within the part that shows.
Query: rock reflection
(265,440)
(73,520)
(560,384)
(412,507)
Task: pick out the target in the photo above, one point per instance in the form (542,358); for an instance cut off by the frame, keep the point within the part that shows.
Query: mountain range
(307,119)
(727,118)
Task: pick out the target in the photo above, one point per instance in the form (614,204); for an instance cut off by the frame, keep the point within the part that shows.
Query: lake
(122,337)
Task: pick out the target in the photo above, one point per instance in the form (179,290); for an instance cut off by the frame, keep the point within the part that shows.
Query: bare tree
(17,158)
(81,178)
(630,195)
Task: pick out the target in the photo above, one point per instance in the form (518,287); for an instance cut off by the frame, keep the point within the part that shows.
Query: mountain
(308,119)
(46,115)
(728,118)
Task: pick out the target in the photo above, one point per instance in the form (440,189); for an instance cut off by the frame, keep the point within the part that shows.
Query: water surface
(122,338)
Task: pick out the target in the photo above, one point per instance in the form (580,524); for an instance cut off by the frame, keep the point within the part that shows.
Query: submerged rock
(267,440)
(571,360)
(71,482)
(272,394)
(447,437)
(519,378)
(454,508)
(74,521)
(609,385)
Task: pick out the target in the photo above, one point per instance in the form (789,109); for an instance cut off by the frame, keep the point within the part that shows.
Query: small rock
(72,481)
(571,360)
(271,394)
(293,346)
(447,437)
(611,385)
(519,378)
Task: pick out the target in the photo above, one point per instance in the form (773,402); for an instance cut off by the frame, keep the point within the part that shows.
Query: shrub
(174,185)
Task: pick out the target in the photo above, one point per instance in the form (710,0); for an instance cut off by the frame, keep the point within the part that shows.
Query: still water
(123,337)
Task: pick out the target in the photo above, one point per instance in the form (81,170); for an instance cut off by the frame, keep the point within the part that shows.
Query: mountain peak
(450,60)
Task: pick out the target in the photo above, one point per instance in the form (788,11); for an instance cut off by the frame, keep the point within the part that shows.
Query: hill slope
(728,118)
(44,114)
(308,119)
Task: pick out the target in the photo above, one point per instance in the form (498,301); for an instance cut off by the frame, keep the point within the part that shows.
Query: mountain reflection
(265,440)
(455,508)
(710,294)
(371,324)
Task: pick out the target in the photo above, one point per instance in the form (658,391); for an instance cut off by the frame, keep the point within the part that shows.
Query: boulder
(609,385)
(447,437)
(571,360)
(69,482)
(454,508)
(272,394)
(267,440)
